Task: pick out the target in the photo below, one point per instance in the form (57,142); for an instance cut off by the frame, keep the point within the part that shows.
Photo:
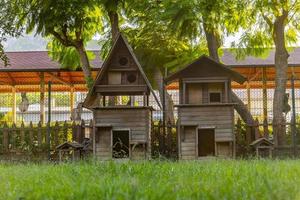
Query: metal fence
(62,105)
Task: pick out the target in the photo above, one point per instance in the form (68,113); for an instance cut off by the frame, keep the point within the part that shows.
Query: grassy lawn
(223,179)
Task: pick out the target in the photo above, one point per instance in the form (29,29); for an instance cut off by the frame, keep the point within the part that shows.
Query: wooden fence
(31,141)
(245,134)
(164,142)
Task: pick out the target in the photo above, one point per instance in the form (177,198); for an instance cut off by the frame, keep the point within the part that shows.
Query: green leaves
(259,35)
(68,57)
(9,24)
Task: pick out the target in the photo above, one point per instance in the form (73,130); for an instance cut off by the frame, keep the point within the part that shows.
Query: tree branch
(64,41)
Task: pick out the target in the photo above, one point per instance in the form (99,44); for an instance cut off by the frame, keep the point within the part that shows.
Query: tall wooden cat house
(119,100)
(205,109)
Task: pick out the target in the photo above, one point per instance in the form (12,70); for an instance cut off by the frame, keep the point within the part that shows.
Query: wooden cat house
(205,109)
(119,100)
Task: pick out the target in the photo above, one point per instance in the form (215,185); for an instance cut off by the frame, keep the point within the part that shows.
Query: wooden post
(13,136)
(265,95)
(74,132)
(14,105)
(39,134)
(65,132)
(256,129)
(72,99)
(248,95)
(266,129)
(5,139)
(55,134)
(82,131)
(42,98)
(31,129)
(22,133)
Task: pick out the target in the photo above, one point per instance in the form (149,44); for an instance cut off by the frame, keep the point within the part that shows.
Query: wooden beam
(248,96)
(42,97)
(72,99)
(14,105)
(265,95)
(59,79)
(255,75)
(13,82)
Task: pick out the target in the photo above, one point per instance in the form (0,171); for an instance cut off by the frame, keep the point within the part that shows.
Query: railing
(31,141)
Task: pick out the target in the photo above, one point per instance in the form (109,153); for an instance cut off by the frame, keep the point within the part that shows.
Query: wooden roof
(68,145)
(120,39)
(262,141)
(23,71)
(229,59)
(205,67)
(32,61)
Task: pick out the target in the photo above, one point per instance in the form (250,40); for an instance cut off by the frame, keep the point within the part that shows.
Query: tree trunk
(281,66)
(169,105)
(114,23)
(86,68)
(213,45)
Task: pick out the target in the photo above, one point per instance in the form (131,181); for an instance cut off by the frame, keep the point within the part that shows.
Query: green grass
(222,179)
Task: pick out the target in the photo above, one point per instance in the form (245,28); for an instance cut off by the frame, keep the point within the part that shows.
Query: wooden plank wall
(220,117)
(137,121)
(103,144)
(188,143)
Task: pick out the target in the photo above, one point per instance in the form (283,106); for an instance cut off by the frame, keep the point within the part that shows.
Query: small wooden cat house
(119,100)
(205,110)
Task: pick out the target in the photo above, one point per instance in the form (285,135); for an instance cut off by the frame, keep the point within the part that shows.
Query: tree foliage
(258,37)
(9,26)
(70,24)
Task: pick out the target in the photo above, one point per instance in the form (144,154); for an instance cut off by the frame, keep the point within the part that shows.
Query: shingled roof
(38,61)
(250,61)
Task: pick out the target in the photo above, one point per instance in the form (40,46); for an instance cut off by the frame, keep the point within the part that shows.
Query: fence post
(160,137)
(91,129)
(31,134)
(39,133)
(22,133)
(65,131)
(13,136)
(74,132)
(56,131)
(169,138)
(49,121)
(266,129)
(176,139)
(256,129)
(82,131)
(48,142)
(5,139)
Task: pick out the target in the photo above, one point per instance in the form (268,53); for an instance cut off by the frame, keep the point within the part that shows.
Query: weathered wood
(266,129)
(256,129)
(31,133)
(65,131)
(91,129)
(22,133)
(5,138)
(13,135)
(82,132)
(39,134)
(74,132)
(55,134)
